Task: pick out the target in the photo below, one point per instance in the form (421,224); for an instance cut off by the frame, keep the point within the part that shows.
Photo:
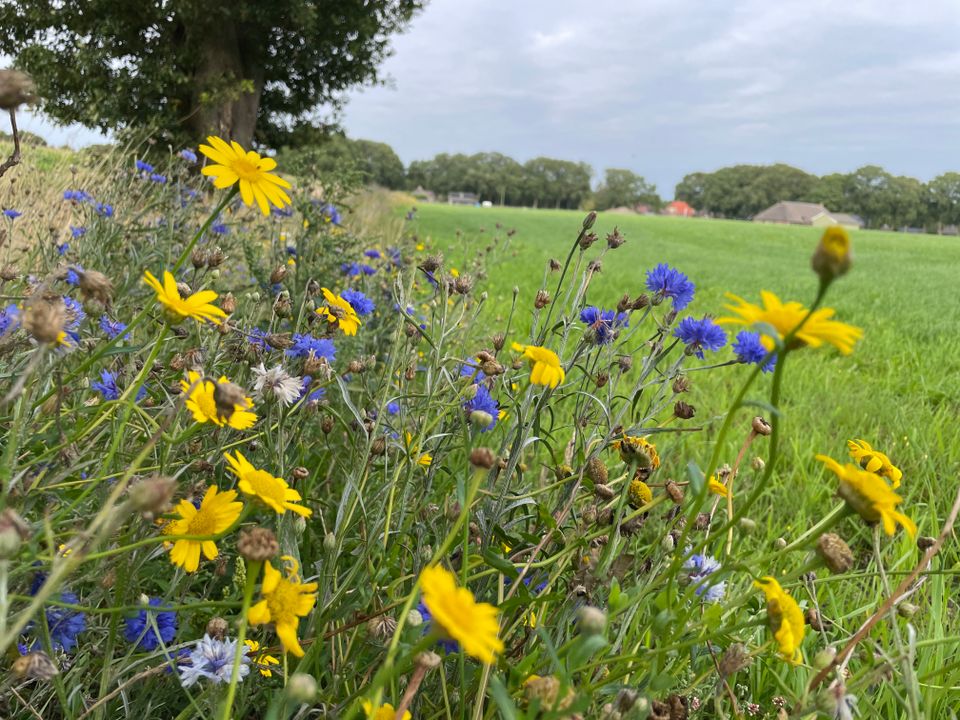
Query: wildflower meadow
(266,453)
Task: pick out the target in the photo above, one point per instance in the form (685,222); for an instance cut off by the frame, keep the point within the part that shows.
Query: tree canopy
(191,67)
(624,188)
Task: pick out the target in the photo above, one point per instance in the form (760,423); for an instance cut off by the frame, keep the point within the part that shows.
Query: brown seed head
(198,258)
(16,89)
(674,491)
(227,397)
(482,457)
(44,319)
(615,239)
(761,426)
(151,497)
(684,411)
(258,544)
(735,658)
(228,304)
(835,553)
(278,275)
(541,300)
(217,628)
(95,286)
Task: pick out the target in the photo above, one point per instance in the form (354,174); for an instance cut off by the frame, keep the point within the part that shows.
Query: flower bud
(758,463)
(735,658)
(482,457)
(590,219)
(684,411)
(832,258)
(329,542)
(227,396)
(278,275)
(381,627)
(907,610)
(779,544)
(301,688)
(481,419)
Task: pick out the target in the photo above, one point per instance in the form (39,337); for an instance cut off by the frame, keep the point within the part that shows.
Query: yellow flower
(874,461)
(639,494)
(216,513)
(339,312)
(273,491)
(786,619)
(261,658)
(423,460)
(285,601)
(547,369)
(196,306)
(831,259)
(455,612)
(638,451)
(234,164)
(202,402)
(384,712)
(717,487)
(868,495)
(784,317)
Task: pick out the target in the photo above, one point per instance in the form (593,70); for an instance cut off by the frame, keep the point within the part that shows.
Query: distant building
(463,198)
(424,195)
(792,212)
(679,208)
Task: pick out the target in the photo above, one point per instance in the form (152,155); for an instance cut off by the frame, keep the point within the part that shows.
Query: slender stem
(253,572)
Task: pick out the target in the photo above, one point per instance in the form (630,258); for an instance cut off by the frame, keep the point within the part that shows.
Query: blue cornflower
(107,386)
(212,660)
(350,269)
(72,278)
(220,228)
(64,624)
(75,313)
(360,303)
(283,212)
(303,345)
(9,320)
(331,214)
(393,408)
(373,254)
(700,335)
(291,251)
(450,646)
(473,372)
(668,282)
(188,155)
(77,231)
(140,630)
(315,396)
(483,402)
(698,568)
(63,248)
(76,195)
(367,269)
(144,167)
(104,210)
(604,324)
(158,178)
(749,349)
(258,338)
(12,214)
(113,328)
(395,257)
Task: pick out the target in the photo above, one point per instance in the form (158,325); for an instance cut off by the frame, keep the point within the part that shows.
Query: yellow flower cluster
(868,495)
(785,618)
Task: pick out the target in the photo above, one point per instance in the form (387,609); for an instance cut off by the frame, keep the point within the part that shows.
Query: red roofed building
(679,208)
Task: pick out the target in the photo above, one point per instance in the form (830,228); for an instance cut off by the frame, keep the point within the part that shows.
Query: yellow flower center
(203,523)
(245,169)
(283,602)
(266,486)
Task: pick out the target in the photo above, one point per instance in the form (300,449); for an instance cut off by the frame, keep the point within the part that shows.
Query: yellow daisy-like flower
(639,494)
(285,601)
(456,613)
(547,369)
(261,658)
(339,312)
(196,306)
(202,402)
(717,487)
(217,512)
(384,712)
(233,164)
(868,495)
(874,461)
(422,459)
(786,619)
(273,491)
(638,451)
(784,317)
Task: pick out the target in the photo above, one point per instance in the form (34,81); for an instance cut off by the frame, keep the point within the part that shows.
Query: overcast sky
(667,87)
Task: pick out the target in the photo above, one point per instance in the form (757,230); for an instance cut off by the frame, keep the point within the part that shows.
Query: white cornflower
(212,660)
(277,382)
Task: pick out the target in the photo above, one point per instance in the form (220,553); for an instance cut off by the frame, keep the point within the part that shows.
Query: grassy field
(899,389)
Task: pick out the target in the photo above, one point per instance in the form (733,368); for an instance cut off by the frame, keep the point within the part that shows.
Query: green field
(899,389)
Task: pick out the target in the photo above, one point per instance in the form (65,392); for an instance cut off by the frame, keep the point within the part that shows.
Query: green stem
(253,572)
(203,228)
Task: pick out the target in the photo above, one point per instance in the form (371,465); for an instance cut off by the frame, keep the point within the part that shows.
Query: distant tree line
(880,198)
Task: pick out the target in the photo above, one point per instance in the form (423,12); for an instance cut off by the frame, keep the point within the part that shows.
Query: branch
(14,158)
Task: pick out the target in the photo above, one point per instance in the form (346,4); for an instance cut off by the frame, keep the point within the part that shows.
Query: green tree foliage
(541,182)
(624,188)
(196,66)
(742,191)
(943,199)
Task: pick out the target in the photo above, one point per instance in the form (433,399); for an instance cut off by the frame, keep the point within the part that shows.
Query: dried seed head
(95,286)
(432,263)
(184,290)
(13,531)
(258,544)
(215,257)
(35,665)
(674,491)
(278,275)
(282,307)
(683,410)
(681,384)
(545,691)
(554,265)
(16,89)
(8,272)
(604,492)
(44,319)
(640,302)
(601,379)
(735,658)
(198,258)
(151,497)
(279,341)
(835,553)
(378,446)
(217,628)
(228,303)
(482,457)
(596,471)
(381,627)
(624,303)
(355,366)
(761,426)
(326,424)
(925,543)
(427,660)
(816,621)
(615,239)
(300,473)
(227,397)
(541,300)
(594,266)
(463,285)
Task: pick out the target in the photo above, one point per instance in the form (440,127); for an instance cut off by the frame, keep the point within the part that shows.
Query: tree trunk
(226,98)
